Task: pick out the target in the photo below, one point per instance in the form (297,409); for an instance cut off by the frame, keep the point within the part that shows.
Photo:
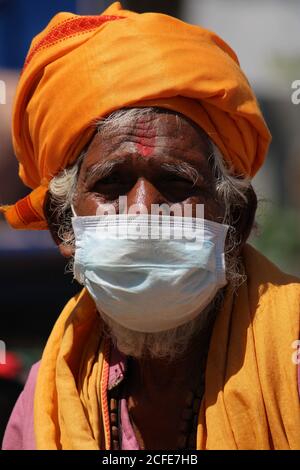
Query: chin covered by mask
(150,274)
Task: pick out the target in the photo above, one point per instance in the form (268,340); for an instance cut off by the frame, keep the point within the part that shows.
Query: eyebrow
(183,169)
(102,169)
(179,168)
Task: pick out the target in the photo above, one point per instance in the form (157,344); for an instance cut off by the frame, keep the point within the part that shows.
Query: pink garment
(117,372)
(19,434)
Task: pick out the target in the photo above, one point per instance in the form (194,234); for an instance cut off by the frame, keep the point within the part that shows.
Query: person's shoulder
(19,434)
(32,376)
(272,294)
(262,271)
(29,388)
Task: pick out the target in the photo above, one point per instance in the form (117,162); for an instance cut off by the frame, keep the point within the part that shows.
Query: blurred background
(34,287)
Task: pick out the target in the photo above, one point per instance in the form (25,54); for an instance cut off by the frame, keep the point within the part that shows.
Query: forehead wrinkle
(162,154)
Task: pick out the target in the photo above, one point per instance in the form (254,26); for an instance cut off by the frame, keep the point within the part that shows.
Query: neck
(153,373)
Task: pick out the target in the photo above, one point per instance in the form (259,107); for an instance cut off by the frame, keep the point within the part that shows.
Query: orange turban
(81,68)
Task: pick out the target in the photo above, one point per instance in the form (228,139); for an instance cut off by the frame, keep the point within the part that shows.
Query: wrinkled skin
(145,145)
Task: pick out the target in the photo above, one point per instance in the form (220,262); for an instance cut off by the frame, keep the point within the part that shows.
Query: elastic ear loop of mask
(73,211)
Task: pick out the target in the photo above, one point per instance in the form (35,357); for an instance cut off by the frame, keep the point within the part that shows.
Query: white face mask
(146,284)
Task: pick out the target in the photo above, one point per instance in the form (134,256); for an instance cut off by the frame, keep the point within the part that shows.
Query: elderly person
(172,343)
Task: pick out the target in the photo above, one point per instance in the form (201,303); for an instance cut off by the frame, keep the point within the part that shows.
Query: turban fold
(81,68)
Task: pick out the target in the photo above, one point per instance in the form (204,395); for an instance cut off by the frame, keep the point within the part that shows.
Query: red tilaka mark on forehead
(146,138)
(146,146)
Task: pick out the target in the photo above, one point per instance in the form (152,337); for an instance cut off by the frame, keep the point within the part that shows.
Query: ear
(65,250)
(54,220)
(243,216)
